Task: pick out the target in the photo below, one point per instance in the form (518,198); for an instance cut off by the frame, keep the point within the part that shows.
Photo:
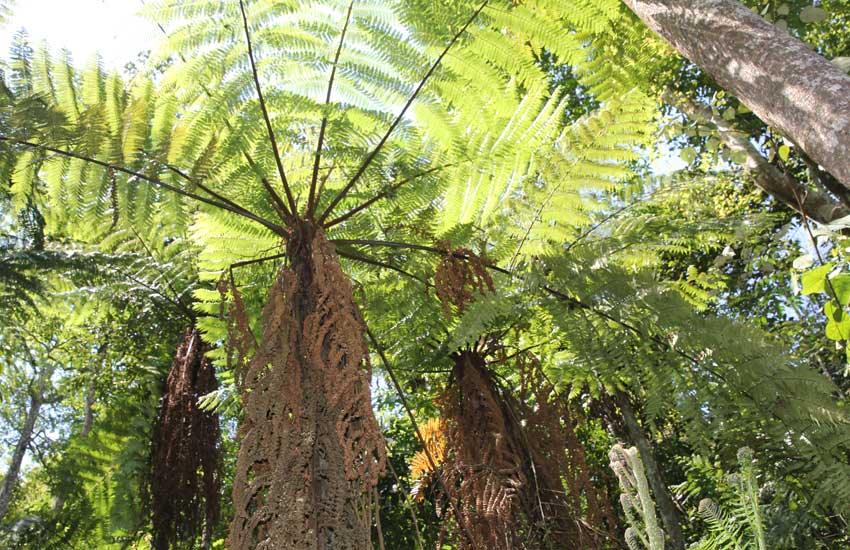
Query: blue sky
(84,27)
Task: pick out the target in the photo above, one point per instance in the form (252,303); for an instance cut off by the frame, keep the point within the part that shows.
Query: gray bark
(666,506)
(11,478)
(814,203)
(781,80)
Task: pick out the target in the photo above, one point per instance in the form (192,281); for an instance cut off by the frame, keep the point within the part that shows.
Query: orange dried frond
(419,465)
(433,432)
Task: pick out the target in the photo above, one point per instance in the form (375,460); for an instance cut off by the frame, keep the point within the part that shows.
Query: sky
(84,27)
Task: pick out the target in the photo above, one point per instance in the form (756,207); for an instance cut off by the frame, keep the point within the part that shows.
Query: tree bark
(814,203)
(666,506)
(11,478)
(781,80)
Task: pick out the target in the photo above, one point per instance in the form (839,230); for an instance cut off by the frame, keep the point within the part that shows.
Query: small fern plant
(740,526)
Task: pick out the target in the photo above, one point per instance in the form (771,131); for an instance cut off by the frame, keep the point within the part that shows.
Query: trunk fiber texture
(311,449)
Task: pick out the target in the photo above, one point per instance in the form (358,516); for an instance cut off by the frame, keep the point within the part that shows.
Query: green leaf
(813,14)
(841,284)
(838,327)
(688,154)
(814,281)
(784,151)
(738,156)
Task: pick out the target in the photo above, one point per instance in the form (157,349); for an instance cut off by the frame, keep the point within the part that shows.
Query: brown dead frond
(458,277)
(486,461)
(311,449)
(240,342)
(506,460)
(551,425)
(185,463)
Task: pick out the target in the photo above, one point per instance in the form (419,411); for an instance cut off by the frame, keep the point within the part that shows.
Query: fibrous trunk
(508,497)
(311,449)
(185,478)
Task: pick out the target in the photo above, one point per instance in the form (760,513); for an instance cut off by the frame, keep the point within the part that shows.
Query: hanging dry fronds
(505,461)
(311,449)
(550,423)
(458,277)
(422,471)
(486,466)
(185,465)
(240,342)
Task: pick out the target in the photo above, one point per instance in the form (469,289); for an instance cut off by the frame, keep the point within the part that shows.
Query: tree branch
(409,411)
(177,297)
(392,188)
(389,244)
(224,206)
(815,203)
(206,189)
(277,203)
(377,263)
(243,263)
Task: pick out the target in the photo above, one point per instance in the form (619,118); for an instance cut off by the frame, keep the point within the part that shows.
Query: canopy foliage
(478,190)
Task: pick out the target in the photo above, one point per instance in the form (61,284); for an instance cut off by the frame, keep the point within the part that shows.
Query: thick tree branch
(786,84)
(815,203)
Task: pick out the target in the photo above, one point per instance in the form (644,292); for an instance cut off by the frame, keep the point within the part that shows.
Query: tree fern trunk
(778,77)
(311,449)
(185,478)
